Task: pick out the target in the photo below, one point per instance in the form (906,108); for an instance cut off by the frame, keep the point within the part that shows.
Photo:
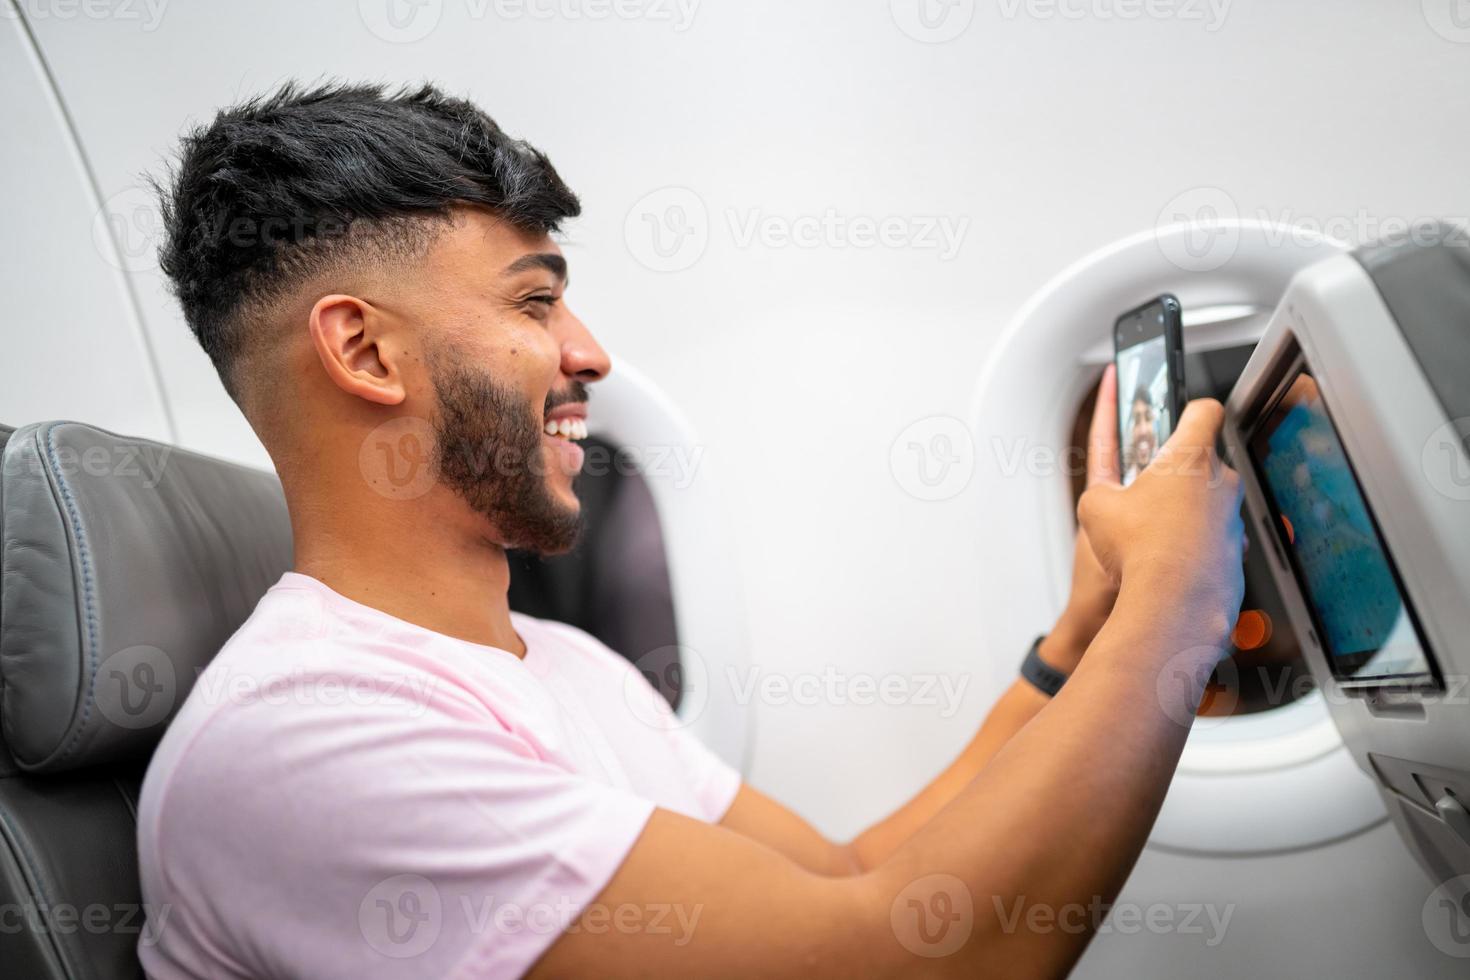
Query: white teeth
(567,428)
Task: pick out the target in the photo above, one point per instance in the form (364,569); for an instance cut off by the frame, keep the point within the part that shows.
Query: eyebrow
(550,261)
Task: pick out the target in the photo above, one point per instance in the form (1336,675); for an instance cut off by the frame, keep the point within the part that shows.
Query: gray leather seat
(125,565)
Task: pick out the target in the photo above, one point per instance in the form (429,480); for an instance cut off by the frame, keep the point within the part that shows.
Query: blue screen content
(1325,524)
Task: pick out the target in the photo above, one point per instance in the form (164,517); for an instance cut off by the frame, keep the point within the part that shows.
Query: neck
(398,558)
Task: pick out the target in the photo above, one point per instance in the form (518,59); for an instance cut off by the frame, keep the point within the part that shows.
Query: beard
(487,449)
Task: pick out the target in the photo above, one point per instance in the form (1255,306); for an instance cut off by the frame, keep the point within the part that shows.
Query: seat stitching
(87,591)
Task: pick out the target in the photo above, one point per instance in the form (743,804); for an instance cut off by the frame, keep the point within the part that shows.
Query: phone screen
(1145,340)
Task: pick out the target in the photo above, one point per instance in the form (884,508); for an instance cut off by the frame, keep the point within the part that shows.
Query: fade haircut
(285,186)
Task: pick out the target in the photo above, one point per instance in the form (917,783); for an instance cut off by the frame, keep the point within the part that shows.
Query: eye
(540,305)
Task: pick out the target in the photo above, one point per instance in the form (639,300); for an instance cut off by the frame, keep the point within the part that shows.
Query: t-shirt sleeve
(715,782)
(394,838)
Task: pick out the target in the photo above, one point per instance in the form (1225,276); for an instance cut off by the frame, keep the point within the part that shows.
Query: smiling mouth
(569,429)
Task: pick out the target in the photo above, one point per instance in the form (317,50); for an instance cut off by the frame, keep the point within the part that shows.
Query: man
(369,269)
(1143,440)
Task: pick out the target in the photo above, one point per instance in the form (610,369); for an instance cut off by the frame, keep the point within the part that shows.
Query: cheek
(517,354)
(535,345)
(533,363)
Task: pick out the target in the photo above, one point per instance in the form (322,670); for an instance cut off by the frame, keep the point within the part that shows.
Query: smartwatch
(1041,675)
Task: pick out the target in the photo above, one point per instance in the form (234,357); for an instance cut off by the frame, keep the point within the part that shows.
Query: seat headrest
(126,565)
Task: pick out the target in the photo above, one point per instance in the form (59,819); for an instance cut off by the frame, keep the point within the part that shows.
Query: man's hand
(1176,528)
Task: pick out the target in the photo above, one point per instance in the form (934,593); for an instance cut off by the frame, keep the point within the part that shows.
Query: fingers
(1191,448)
(1200,424)
(1103,464)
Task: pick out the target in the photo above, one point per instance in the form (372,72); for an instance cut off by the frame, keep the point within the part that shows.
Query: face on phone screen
(1143,403)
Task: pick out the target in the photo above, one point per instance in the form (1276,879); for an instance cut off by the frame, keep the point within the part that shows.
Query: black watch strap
(1042,676)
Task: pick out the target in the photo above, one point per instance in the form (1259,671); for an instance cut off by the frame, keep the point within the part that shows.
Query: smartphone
(1148,345)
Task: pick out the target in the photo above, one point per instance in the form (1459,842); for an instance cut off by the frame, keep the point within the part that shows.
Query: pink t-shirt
(345,794)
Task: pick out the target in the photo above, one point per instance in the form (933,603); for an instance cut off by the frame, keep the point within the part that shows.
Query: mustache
(575,393)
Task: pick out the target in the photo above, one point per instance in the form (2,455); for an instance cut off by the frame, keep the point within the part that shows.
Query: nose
(582,357)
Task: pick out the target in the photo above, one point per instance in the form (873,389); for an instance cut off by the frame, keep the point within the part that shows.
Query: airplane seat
(125,564)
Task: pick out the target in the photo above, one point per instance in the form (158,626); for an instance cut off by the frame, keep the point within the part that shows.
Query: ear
(348,335)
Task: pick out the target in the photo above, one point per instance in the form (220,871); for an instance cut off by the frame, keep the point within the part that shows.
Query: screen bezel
(1293,365)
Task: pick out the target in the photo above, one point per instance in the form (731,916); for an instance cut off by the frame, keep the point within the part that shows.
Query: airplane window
(1265,668)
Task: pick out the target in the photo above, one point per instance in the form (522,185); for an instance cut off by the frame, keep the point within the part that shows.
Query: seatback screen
(1362,619)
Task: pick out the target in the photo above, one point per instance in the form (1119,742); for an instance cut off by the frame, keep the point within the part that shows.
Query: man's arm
(757,816)
(1092,596)
(1056,820)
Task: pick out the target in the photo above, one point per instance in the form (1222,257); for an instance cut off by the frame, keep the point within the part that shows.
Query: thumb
(1097,516)
(1198,429)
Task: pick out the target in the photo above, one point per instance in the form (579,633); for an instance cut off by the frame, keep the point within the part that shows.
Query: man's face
(1142,431)
(507,368)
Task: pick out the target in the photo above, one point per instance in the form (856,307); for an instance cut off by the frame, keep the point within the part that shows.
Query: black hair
(282,186)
